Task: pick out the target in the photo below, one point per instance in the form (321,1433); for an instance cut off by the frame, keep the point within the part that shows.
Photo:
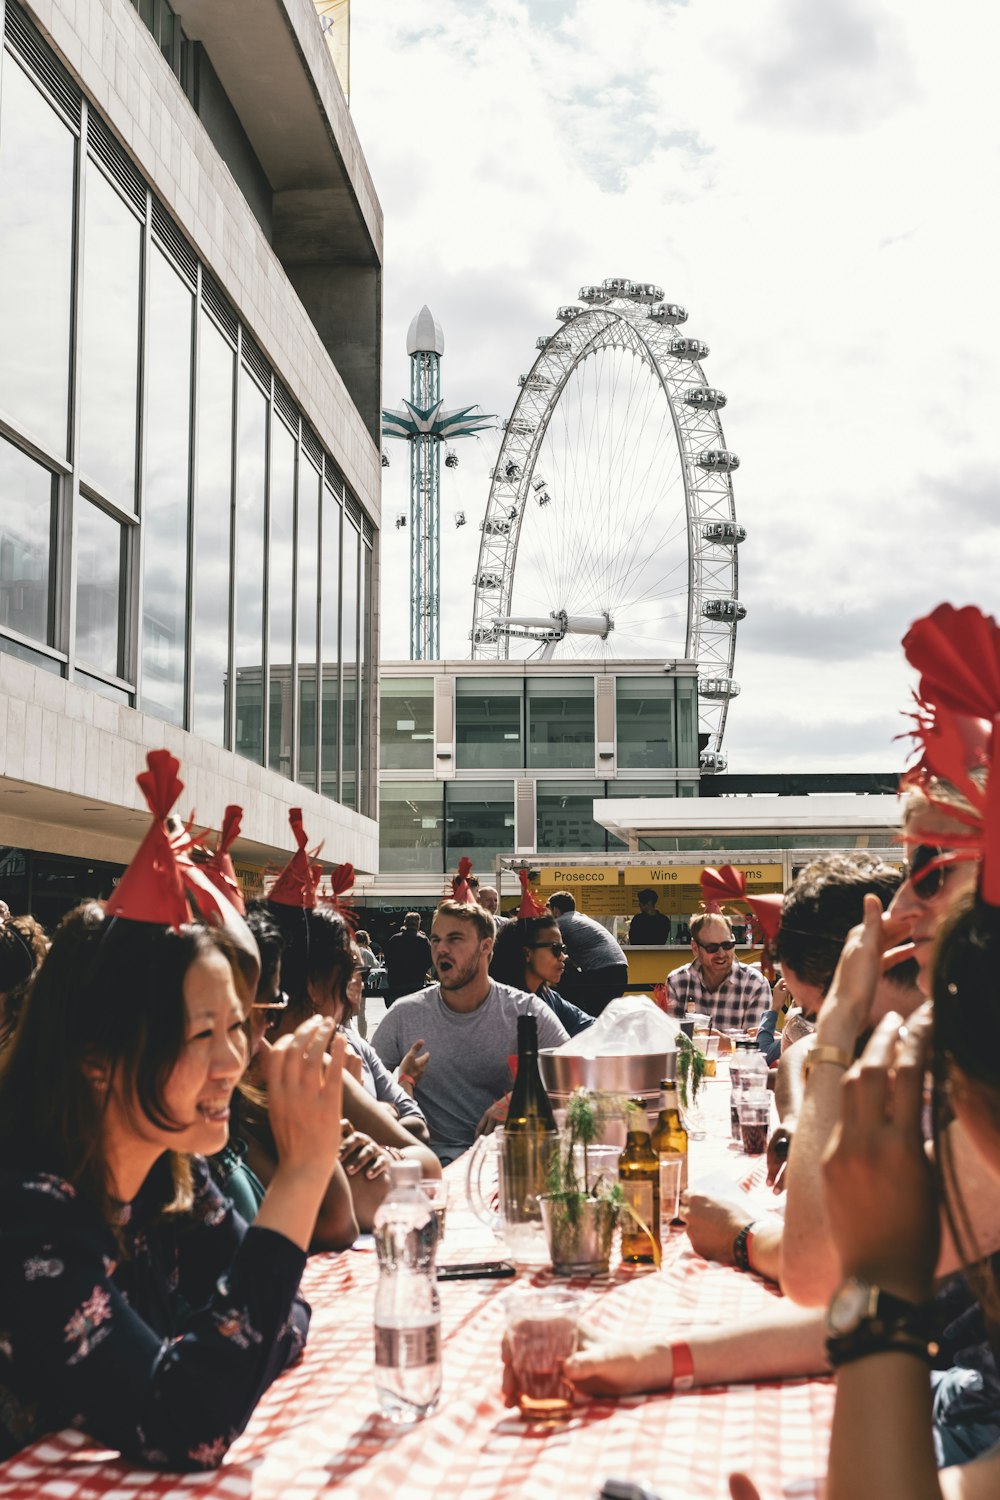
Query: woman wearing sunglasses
(530,955)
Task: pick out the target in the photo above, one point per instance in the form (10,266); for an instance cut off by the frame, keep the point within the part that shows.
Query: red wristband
(683,1367)
(408,1078)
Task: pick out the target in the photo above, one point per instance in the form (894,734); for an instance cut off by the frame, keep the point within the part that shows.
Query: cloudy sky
(815,181)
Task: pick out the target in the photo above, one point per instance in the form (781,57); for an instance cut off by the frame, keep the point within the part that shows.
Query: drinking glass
(436,1189)
(670,1193)
(755,1120)
(542,1332)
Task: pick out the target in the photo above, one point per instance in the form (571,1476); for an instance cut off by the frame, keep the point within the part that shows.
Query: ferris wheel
(610,529)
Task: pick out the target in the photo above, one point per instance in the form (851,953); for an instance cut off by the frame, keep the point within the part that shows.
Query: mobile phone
(492,1270)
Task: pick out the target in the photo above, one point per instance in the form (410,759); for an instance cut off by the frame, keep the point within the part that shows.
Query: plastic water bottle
(407,1309)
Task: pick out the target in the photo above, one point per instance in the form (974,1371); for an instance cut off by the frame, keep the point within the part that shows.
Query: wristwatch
(857,1302)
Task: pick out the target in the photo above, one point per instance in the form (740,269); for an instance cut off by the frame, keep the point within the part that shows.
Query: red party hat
(729,884)
(219,867)
(989,884)
(460,883)
(341,886)
(152,888)
(530,904)
(298,882)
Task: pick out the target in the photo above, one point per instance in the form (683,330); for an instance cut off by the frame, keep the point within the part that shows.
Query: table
(317,1432)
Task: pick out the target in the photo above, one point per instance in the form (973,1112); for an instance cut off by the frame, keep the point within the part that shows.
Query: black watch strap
(872,1337)
(741,1249)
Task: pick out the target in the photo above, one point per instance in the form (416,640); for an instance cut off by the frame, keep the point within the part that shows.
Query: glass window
(565,816)
(307,574)
(406,735)
(100,547)
(214,487)
(37,155)
(332,517)
(281,563)
(26,506)
(364,679)
(165,496)
(110,341)
(560,722)
(105,689)
(645,722)
(25,653)
(411,817)
(488,723)
(479,822)
(249,632)
(349,649)
(687,721)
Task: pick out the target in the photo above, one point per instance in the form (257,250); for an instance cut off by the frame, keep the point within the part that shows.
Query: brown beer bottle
(670,1139)
(639,1175)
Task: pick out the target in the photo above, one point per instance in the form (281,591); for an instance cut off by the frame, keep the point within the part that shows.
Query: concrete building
(190,326)
(511,763)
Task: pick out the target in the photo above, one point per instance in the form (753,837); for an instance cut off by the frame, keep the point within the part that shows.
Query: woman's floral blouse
(158,1341)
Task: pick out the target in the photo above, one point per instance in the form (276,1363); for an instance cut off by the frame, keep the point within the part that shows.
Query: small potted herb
(690,1073)
(583,1203)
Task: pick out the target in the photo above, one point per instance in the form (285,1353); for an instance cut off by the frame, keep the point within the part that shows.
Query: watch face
(849,1305)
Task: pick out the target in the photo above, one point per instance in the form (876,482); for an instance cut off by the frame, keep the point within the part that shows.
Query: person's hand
(359,1153)
(880,1198)
(494,1116)
(742,1487)
(353,1064)
(845,1011)
(413,1066)
(619,1367)
(305,1097)
(778,1148)
(585,1337)
(712,1225)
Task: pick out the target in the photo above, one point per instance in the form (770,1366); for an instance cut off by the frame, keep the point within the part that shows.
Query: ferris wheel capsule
(718,687)
(705,398)
(668,312)
(718,461)
(723,609)
(725,533)
(619,286)
(565,313)
(688,349)
(542,340)
(487,580)
(713,760)
(595,295)
(647,291)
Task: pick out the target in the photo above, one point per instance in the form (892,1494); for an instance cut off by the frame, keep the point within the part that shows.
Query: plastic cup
(671,1168)
(755,1120)
(542,1332)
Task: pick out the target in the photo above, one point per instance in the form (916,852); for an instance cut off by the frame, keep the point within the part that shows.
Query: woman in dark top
(531,955)
(134,1302)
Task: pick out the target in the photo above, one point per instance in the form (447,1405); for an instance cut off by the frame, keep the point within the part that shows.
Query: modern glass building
(190,316)
(513,763)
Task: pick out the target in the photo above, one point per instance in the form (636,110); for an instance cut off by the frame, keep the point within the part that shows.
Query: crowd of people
(212,1113)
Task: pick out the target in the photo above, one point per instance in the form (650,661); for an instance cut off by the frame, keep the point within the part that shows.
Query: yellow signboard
(590,876)
(657,876)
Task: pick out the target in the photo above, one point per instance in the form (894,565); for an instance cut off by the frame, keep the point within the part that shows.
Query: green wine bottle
(530,1134)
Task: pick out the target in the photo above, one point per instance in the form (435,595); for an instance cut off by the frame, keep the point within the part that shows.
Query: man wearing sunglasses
(734,996)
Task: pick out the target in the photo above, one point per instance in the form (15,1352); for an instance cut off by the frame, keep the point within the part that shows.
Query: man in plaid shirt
(733,995)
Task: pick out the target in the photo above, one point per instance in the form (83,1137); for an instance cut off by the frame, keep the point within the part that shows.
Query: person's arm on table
(786,1342)
(714,1226)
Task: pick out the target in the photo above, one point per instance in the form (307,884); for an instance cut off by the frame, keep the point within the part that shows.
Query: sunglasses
(559,950)
(726,947)
(926,883)
(274,1007)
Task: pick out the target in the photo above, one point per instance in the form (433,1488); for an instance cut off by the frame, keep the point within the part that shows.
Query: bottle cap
(668,1083)
(404,1173)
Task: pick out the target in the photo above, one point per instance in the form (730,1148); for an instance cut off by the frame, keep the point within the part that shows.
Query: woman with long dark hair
(134,1302)
(530,955)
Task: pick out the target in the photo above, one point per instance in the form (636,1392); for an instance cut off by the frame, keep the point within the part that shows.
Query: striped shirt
(742,1000)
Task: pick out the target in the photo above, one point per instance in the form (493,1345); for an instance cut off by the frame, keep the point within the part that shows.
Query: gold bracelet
(826,1054)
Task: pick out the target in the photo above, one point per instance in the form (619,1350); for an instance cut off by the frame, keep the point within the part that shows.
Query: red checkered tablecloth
(317,1431)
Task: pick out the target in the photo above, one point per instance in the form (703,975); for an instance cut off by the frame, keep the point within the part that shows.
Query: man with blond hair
(734,996)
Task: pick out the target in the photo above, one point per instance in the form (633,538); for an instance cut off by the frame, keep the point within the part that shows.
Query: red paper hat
(219,867)
(989,881)
(530,904)
(957,653)
(460,883)
(341,886)
(727,884)
(152,888)
(298,882)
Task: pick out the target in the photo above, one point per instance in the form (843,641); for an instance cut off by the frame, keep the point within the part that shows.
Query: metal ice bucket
(631,1073)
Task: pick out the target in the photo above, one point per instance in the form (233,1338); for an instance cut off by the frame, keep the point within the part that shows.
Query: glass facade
(406,723)
(564,817)
(411,821)
(488,729)
(183,531)
(646,710)
(560,722)
(479,821)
